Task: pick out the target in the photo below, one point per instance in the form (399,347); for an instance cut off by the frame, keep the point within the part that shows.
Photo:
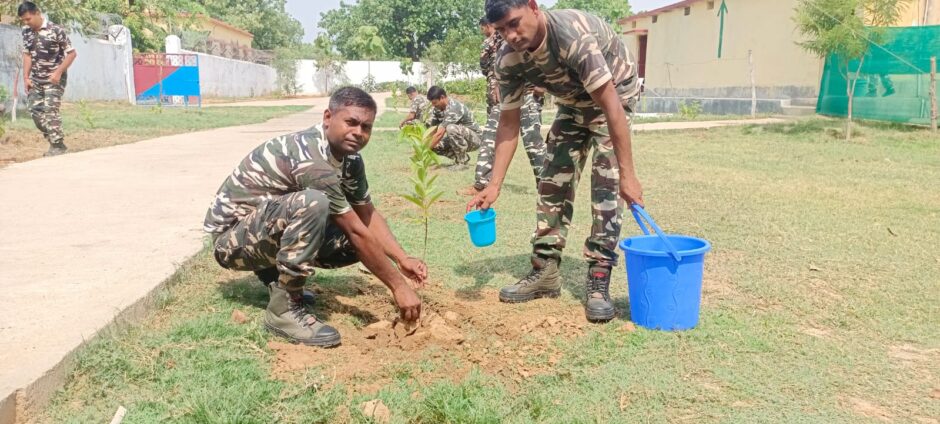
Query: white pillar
(173,44)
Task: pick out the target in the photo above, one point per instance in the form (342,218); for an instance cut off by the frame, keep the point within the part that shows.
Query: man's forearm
(438,136)
(409,117)
(27,66)
(377,225)
(618,125)
(373,256)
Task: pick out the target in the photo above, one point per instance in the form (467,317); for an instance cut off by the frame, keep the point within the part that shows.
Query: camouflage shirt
(491,46)
(47,47)
(488,54)
(288,164)
(579,54)
(455,113)
(418,105)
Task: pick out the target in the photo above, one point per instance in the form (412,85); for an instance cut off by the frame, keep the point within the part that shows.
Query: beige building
(677,48)
(223,31)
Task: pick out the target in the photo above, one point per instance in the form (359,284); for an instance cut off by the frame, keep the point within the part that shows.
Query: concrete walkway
(670,126)
(85,236)
(703,125)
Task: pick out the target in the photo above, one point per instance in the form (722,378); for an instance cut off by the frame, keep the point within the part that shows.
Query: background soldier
(47,55)
(581,61)
(419,105)
(531,117)
(457,134)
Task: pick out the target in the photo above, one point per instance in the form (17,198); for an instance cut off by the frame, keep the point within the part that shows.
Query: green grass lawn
(820,304)
(94,125)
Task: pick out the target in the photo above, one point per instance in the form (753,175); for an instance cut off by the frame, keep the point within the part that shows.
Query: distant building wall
(222,77)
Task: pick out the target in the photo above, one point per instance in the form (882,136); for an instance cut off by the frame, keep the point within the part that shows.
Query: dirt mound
(516,341)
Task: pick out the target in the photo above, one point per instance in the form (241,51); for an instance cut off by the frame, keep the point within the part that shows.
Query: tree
(844,30)
(327,60)
(64,12)
(150,21)
(369,45)
(267,20)
(610,10)
(407,26)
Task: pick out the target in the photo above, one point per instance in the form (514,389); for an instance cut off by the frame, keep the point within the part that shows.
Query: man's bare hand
(630,189)
(55,78)
(415,269)
(29,84)
(409,305)
(484,199)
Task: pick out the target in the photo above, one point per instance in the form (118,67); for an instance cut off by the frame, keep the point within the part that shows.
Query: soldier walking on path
(47,55)
(581,61)
(531,119)
(419,105)
(301,201)
(457,134)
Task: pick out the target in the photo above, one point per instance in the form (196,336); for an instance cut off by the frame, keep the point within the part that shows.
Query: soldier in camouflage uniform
(457,134)
(419,105)
(531,116)
(47,55)
(581,61)
(300,202)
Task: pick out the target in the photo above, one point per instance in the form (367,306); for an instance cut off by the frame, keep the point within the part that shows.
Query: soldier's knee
(313,202)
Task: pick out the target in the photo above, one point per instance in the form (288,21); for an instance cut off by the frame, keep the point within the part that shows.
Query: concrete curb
(26,403)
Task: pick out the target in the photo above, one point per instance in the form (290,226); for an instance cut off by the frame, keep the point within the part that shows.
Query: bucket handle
(639,212)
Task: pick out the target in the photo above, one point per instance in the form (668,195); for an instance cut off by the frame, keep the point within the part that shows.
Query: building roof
(681,4)
(223,24)
(215,21)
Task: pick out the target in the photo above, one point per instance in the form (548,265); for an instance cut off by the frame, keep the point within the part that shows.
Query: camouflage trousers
(531,127)
(573,134)
(457,142)
(44,100)
(293,233)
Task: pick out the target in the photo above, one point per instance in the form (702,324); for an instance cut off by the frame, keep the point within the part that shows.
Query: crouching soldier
(301,201)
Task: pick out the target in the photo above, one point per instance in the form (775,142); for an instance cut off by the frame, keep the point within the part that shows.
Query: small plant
(86,113)
(368,84)
(690,109)
(424,193)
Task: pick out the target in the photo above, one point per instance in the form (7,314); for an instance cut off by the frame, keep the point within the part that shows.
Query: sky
(308,11)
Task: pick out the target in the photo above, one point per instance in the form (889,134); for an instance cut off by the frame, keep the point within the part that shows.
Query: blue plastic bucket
(482,226)
(664,277)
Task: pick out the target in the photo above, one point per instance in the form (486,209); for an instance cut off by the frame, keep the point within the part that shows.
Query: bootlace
(599,283)
(299,312)
(532,277)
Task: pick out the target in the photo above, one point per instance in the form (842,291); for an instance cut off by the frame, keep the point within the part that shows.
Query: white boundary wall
(312,81)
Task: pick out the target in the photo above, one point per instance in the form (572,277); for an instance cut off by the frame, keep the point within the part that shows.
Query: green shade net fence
(894,84)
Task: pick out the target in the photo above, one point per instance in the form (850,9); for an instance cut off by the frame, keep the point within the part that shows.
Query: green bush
(471,91)
(690,109)
(393,86)
(368,84)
